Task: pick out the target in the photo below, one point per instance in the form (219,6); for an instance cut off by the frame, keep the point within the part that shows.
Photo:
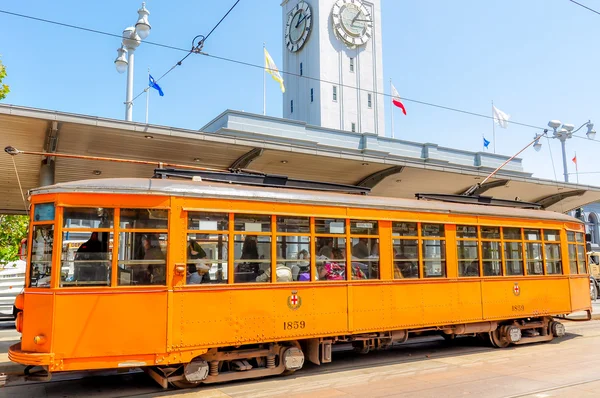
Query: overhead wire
(196,49)
(586,7)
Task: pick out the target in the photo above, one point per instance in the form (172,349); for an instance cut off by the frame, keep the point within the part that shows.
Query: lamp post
(563,134)
(132,38)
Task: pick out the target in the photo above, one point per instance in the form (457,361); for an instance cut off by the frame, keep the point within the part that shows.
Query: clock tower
(334,50)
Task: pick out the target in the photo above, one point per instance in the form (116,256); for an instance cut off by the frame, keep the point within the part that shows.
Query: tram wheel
(497,340)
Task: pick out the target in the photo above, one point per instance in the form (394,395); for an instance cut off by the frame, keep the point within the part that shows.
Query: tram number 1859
(520,307)
(294,325)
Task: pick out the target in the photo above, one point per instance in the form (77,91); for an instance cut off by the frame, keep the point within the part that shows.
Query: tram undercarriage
(248,362)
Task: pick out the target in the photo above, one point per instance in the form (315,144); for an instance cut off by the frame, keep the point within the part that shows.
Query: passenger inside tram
(301,270)
(248,271)
(200,274)
(152,251)
(89,260)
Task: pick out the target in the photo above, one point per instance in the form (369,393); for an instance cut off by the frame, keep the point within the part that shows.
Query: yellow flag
(272,70)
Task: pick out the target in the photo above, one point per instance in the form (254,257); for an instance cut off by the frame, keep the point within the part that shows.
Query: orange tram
(197,282)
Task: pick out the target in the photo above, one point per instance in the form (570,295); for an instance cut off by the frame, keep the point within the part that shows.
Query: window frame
(224,232)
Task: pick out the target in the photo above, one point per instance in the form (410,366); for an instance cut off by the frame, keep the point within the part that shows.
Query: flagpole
(264,85)
(147,96)
(392,108)
(576,168)
(493,127)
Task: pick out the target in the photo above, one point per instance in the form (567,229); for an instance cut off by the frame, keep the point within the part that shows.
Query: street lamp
(563,134)
(132,38)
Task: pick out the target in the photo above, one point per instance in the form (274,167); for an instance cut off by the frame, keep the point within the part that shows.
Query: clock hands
(300,20)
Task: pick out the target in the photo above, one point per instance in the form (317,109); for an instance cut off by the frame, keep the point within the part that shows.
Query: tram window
(553,263)
(404,229)
(360,227)
(512,233)
(491,258)
(466,231)
(573,258)
(252,223)
(365,258)
(434,251)
(88,217)
(571,236)
(43,212)
(86,263)
(252,258)
(535,265)
(142,258)
(144,219)
(532,234)
(331,258)
(208,221)
(490,232)
(434,258)
(206,258)
(299,225)
(40,265)
(467,250)
(330,226)
(579,237)
(293,257)
(551,235)
(581,259)
(513,253)
(406,258)
(431,230)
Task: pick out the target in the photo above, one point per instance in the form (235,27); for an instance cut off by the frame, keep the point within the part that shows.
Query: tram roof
(390,167)
(202,189)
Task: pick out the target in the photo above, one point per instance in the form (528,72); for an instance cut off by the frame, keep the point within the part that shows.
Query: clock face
(352,22)
(298,26)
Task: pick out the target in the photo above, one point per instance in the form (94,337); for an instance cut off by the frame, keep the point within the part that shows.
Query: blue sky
(536,59)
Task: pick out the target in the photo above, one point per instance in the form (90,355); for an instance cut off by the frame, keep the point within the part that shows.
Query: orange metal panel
(580,293)
(533,297)
(37,320)
(89,324)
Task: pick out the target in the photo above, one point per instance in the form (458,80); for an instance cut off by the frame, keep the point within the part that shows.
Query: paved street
(427,367)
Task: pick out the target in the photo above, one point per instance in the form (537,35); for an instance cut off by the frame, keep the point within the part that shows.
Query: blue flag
(486,143)
(152,83)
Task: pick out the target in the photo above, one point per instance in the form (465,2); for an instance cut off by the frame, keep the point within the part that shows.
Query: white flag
(500,117)
(272,70)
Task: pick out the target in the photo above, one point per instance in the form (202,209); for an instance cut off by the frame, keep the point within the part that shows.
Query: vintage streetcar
(199,282)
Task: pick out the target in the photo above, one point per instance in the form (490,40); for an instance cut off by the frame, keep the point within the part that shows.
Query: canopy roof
(390,167)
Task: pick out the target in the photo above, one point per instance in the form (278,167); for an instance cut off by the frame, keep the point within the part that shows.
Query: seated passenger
(194,252)
(472,269)
(361,249)
(327,248)
(302,266)
(200,276)
(282,272)
(154,272)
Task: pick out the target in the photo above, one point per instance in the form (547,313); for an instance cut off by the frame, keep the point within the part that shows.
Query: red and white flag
(396,100)
(575,160)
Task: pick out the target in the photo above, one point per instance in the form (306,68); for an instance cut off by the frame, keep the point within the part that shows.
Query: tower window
(300,68)
(312,94)
(351,64)
(335,93)
(353,127)
(369,100)
(292,106)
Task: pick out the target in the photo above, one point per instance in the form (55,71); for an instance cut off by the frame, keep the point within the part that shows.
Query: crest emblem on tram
(516,289)
(294,301)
